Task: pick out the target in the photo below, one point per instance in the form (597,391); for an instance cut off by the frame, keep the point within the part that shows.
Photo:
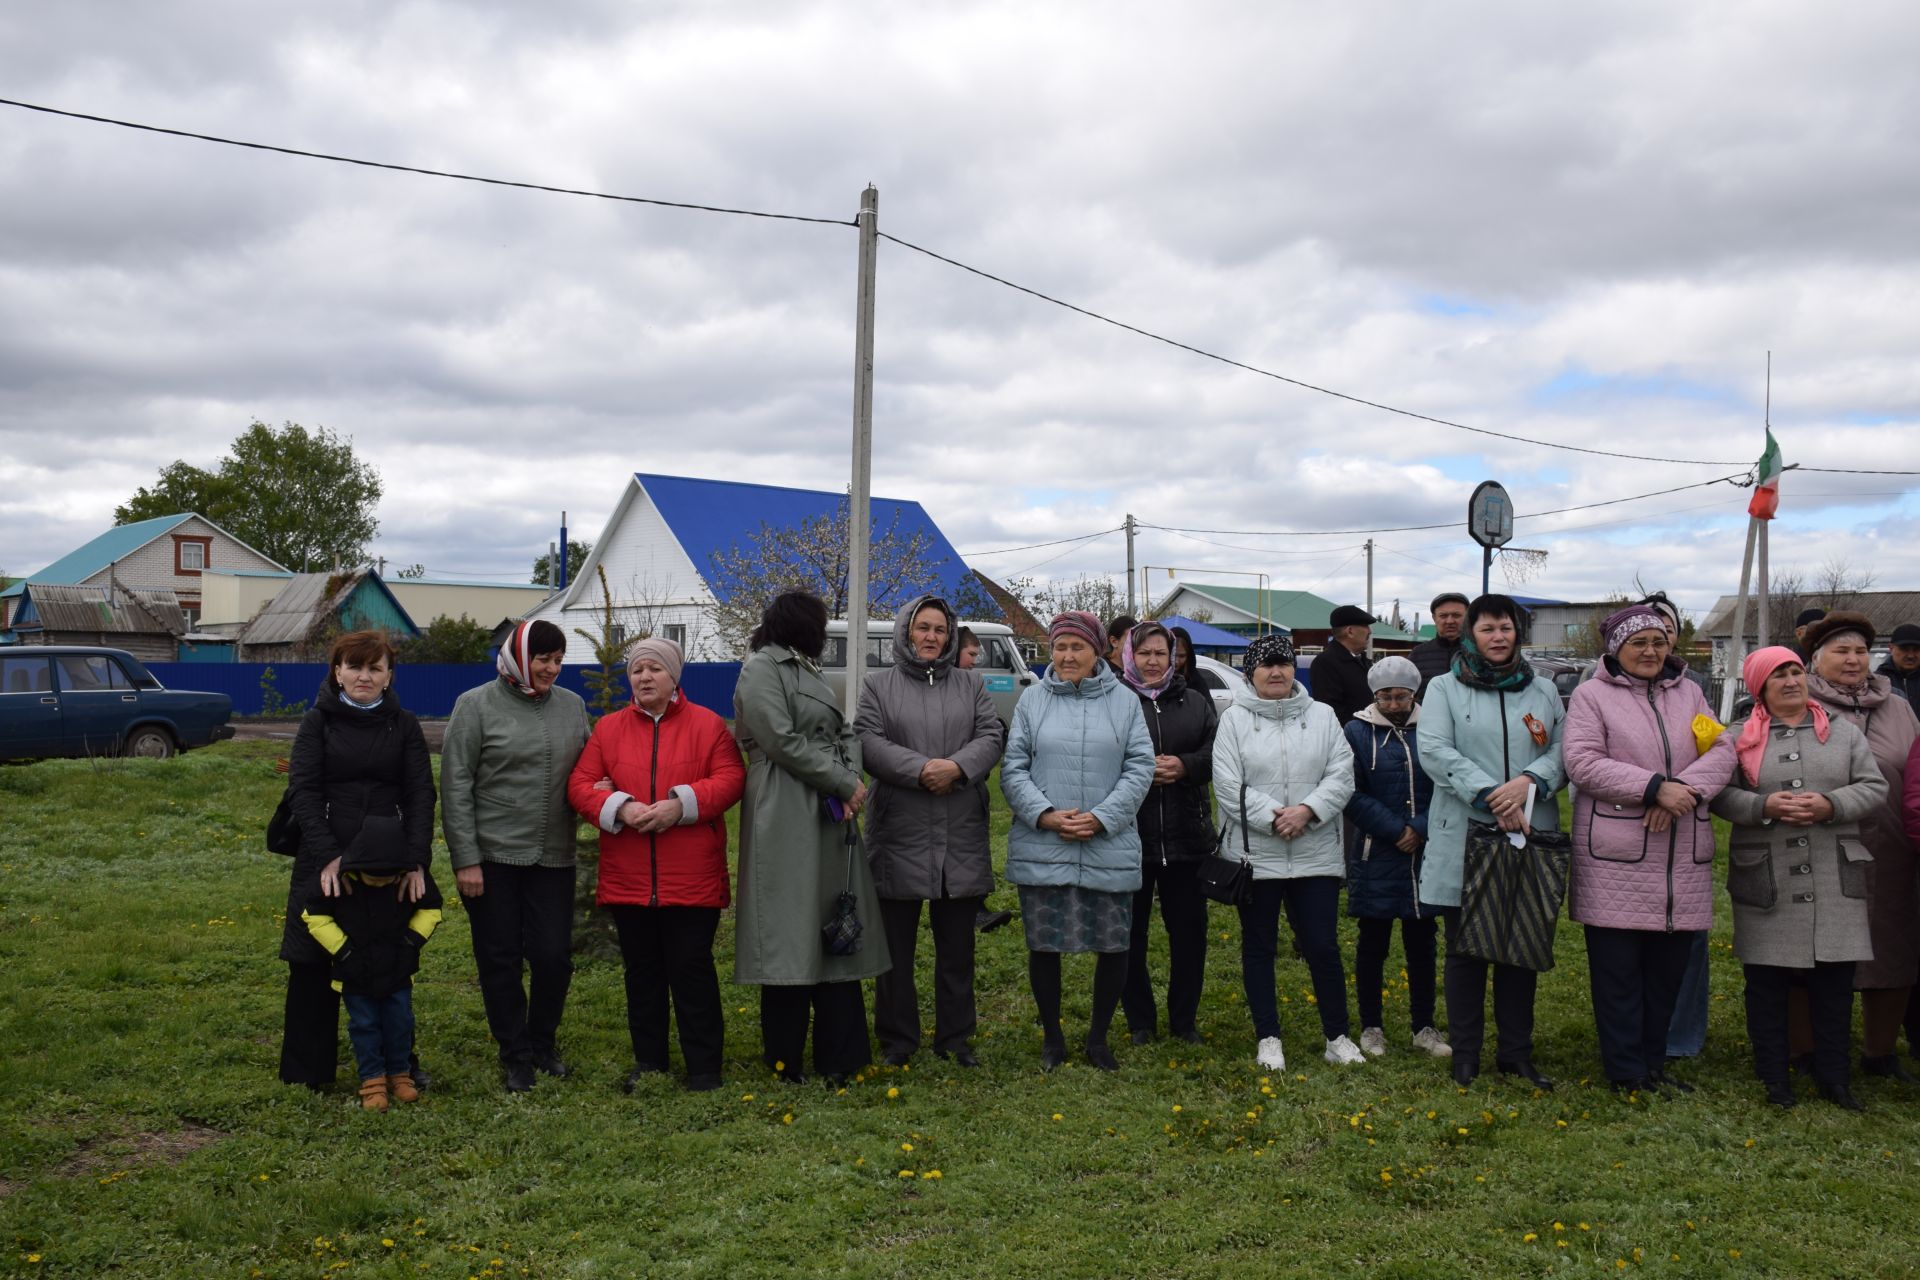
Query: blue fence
(426,689)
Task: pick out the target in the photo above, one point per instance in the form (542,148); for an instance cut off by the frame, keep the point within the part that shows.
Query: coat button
(1803,869)
(1796,784)
(1793,755)
(1787,734)
(1800,842)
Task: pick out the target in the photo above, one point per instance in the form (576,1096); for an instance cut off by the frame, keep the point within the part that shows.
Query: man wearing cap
(1902,667)
(1338,676)
(1435,657)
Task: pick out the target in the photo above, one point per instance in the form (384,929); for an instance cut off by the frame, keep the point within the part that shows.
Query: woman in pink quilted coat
(1642,878)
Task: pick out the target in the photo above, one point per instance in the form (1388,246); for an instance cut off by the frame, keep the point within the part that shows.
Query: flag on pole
(1766,487)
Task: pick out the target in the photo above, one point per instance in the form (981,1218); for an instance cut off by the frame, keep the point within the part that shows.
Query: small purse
(1229,880)
(841,933)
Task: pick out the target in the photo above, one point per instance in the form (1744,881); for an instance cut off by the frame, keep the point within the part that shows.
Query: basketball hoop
(1521,565)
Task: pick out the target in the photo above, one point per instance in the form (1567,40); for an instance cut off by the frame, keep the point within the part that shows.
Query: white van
(999,665)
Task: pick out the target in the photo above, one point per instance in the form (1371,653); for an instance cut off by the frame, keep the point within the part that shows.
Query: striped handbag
(1510,897)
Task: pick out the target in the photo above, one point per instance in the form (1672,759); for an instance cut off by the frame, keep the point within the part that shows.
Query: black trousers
(310,1038)
(1635,977)
(523,922)
(1370,967)
(1183,910)
(896,997)
(1829,1001)
(838,1011)
(1465,981)
(668,955)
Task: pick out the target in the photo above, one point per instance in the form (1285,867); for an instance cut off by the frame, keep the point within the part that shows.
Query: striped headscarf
(515,663)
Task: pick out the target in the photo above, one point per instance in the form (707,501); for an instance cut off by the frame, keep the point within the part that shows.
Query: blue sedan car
(71,700)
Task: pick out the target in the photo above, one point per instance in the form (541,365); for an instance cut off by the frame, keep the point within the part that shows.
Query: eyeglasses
(1649,644)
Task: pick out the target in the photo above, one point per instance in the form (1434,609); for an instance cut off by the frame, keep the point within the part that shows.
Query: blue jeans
(1687,1033)
(1313,912)
(380,1029)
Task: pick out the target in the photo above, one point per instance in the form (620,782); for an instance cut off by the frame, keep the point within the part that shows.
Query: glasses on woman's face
(1648,644)
(1394,697)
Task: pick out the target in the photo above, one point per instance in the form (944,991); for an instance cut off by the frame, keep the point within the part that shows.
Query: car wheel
(150,743)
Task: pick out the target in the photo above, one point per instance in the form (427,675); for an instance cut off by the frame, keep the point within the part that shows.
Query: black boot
(1665,1081)
(1465,1069)
(1841,1096)
(1525,1069)
(1889,1067)
(1780,1094)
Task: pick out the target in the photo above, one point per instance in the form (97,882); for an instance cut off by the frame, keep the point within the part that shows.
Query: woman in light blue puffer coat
(1079,762)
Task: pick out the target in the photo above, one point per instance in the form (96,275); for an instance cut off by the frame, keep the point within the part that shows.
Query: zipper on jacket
(1161,798)
(653,838)
(1673,829)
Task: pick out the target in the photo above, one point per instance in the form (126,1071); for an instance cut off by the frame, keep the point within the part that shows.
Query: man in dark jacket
(1902,666)
(1338,676)
(1435,657)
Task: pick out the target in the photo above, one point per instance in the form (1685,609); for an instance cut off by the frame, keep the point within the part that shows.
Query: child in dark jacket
(375,939)
(1391,794)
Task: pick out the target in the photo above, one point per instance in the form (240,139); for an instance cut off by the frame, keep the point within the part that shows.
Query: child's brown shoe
(402,1088)
(373,1094)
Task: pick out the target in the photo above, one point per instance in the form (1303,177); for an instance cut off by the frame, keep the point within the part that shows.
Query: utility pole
(1129,527)
(1369,594)
(859,502)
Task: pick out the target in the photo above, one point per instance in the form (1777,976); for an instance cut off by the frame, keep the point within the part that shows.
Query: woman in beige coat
(1797,869)
(800,849)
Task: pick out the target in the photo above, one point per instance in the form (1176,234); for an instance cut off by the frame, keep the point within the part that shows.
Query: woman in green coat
(800,849)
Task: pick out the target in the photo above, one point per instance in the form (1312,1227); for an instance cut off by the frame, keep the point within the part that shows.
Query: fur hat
(1839,622)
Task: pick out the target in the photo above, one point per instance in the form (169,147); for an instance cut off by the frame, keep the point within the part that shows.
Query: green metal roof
(116,543)
(1295,610)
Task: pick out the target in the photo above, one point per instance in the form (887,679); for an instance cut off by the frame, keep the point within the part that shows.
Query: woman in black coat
(1176,832)
(357,754)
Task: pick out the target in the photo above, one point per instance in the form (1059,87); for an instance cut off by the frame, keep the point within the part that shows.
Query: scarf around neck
(1472,669)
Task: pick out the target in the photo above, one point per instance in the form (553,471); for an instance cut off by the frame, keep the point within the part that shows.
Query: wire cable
(1306,386)
(1058,542)
(425,173)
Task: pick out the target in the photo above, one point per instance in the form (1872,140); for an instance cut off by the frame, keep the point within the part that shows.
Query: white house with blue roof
(167,553)
(658,546)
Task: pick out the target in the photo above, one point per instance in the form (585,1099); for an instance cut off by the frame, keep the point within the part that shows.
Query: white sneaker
(1373,1041)
(1342,1052)
(1271,1056)
(1431,1041)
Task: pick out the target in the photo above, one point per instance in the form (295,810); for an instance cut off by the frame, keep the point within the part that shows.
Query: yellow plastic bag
(1706,731)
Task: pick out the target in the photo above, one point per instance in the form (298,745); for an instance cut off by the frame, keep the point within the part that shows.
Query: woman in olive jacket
(798,853)
(1176,832)
(357,754)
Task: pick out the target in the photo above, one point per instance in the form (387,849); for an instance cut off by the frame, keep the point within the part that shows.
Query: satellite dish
(1490,515)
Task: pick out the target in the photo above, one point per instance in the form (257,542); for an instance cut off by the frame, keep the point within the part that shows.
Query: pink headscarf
(1752,746)
(514,663)
(1130,669)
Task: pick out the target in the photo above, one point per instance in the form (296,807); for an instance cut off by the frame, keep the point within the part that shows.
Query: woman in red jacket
(663,855)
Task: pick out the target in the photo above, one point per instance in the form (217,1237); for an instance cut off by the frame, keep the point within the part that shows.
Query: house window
(676,632)
(617,635)
(191,555)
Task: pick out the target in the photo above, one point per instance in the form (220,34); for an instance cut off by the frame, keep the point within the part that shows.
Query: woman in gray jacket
(1079,762)
(1282,775)
(1797,869)
(929,737)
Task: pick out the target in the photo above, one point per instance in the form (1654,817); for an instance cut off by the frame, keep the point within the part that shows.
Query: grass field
(142,1130)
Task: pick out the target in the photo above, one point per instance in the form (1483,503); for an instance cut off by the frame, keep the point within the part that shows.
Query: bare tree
(1090,594)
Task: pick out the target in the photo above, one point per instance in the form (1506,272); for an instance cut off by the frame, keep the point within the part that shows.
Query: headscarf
(1080,623)
(515,662)
(1626,623)
(1752,744)
(1272,649)
(663,651)
(1471,668)
(1130,671)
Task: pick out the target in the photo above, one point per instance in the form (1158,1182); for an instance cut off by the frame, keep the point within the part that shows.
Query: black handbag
(841,933)
(1229,880)
(1510,897)
(283,829)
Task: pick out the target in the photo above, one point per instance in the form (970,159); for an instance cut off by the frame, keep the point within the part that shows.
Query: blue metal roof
(708,516)
(116,543)
(1209,637)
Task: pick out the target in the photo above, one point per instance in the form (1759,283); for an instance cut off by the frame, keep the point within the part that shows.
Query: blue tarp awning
(1208,637)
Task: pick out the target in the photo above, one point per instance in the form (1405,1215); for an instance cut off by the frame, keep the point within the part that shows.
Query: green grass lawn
(142,1130)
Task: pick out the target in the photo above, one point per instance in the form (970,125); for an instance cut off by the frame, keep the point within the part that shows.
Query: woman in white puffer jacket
(1282,774)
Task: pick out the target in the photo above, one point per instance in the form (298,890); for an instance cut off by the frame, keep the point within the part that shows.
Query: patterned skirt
(1065,917)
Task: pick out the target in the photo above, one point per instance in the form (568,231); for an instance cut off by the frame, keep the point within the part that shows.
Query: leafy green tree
(607,688)
(446,639)
(299,497)
(576,557)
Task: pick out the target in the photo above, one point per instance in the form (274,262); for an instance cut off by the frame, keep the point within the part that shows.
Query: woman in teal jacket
(1489,728)
(1079,763)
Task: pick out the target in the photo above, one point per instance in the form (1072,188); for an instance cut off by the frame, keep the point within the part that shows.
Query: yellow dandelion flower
(746,1097)
(1559,1124)
(1620,1264)
(1559,1226)
(1749,1141)
(386,1243)
(893,1093)
(1432,1114)
(1560,1244)
(1386,1177)
(1461,1130)
(1585,1227)
(1529,1238)
(1733,1253)
(860,1161)
(1058,1116)
(1176,1108)
(787,1118)
(906,1173)
(906,1146)
(933,1174)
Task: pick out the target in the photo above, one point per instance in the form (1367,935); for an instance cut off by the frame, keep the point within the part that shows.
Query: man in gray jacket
(929,736)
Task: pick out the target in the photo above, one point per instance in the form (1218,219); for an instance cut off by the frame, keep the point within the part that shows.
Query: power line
(1058,542)
(1450,524)
(1307,386)
(425,173)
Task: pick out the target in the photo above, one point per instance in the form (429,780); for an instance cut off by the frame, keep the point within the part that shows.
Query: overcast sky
(1580,224)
